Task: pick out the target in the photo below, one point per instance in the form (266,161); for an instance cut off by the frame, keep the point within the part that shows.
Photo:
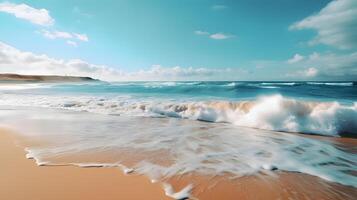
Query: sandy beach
(22,179)
(295,186)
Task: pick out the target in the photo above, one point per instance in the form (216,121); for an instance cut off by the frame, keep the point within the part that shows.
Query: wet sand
(292,186)
(21,178)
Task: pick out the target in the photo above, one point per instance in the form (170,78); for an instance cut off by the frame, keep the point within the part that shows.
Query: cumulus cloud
(215,36)
(220,36)
(311,72)
(56,34)
(305,73)
(43,18)
(336,65)
(82,37)
(158,72)
(13,60)
(336,24)
(71,43)
(64,35)
(296,58)
(326,65)
(23,11)
(315,66)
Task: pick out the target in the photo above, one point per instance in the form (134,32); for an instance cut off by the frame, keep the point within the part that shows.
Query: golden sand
(21,179)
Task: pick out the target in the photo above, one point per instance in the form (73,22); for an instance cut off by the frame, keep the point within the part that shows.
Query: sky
(157,40)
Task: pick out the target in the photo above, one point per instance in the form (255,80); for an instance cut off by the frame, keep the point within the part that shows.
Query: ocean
(162,129)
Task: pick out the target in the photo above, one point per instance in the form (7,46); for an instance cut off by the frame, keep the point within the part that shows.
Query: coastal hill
(42,78)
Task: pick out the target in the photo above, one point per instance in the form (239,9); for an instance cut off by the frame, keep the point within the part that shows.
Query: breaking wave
(274,112)
(332,83)
(162,147)
(271,113)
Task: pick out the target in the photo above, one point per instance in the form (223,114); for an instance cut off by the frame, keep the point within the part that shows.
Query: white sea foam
(332,83)
(36,155)
(6,87)
(31,155)
(279,83)
(159,84)
(168,146)
(232,84)
(268,87)
(271,113)
(181,195)
(87,165)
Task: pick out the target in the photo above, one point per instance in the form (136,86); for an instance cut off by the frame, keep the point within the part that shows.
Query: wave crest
(271,113)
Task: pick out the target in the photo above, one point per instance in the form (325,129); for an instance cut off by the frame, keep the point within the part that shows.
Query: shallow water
(163,129)
(326,108)
(164,147)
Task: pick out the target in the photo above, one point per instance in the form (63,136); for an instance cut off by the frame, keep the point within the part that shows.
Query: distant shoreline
(13,78)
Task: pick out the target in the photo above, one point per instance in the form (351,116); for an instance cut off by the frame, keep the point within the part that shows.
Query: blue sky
(181,39)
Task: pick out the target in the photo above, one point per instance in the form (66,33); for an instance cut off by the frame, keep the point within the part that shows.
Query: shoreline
(23,178)
(282,185)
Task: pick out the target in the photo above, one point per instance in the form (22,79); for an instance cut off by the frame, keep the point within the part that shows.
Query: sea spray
(273,112)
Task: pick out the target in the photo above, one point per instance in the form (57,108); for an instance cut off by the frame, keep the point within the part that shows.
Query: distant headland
(43,78)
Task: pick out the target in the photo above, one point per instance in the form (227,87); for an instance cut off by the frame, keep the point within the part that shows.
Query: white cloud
(218,7)
(326,65)
(55,34)
(215,36)
(64,35)
(158,72)
(198,32)
(305,73)
(23,11)
(13,60)
(220,36)
(315,66)
(40,17)
(311,72)
(339,63)
(82,37)
(336,24)
(296,58)
(71,43)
